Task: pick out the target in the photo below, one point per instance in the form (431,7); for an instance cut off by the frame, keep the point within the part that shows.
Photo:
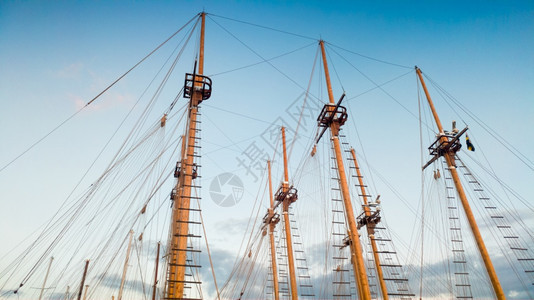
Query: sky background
(56,56)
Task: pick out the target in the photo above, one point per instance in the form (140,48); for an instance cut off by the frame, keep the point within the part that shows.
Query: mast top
(201,48)
(327,74)
(430,102)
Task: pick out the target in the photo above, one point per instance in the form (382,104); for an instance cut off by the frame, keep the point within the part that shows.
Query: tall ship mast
(333,116)
(197,88)
(271,219)
(446,146)
(286,195)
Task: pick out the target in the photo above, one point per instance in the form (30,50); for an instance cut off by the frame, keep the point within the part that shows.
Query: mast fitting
(330,114)
(197,83)
(369,220)
(271,217)
(284,192)
(446,142)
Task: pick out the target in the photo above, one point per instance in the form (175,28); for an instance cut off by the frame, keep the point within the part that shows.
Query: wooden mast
(356,249)
(85,292)
(46,277)
(125,268)
(83,279)
(288,199)
(451,163)
(272,223)
(182,199)
(370,228)
(156,274)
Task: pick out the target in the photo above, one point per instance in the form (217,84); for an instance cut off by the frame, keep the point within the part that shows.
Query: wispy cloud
(107,101)
(71,71)
(91,83)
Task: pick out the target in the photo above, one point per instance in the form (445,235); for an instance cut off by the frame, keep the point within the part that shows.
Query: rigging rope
(421,147)
(237,114)
(90,167)
(92,100)
(311,38)
(262,61)
(377,85)
(94,187)
(509,146)
(304,104)
(208,250)
(368,57)
(238,262)
(260,56)
(335,70)
(265,27)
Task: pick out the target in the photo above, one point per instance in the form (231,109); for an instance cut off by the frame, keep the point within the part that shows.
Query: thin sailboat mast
(272,219)
(125,268)
(333,118)
(197,88)
(85,292)
(447,149)
(46,277)
(156,274)
(83,279)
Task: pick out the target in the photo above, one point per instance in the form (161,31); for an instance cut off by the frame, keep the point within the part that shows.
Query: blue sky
(55,56)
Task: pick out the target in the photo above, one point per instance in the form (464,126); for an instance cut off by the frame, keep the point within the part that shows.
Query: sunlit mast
(272,219)
(46,277)
(447,146)
(125,268)
(156,273)
(286,195)
(83,279)
(197,88)
(334,116)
